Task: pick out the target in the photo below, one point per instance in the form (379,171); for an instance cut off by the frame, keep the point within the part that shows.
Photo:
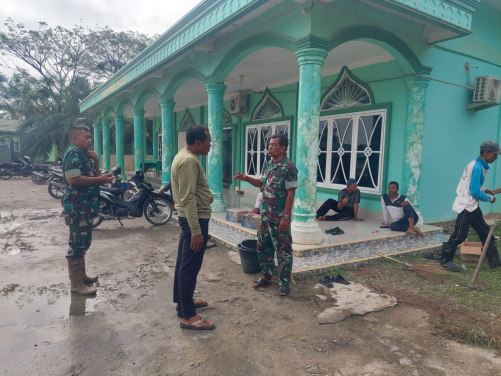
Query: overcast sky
(146,16)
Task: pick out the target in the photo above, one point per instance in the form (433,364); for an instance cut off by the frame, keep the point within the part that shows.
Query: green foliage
(52,155)
(54,69)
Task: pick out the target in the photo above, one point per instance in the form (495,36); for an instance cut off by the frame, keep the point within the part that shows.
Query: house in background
(11,138)
(375,90)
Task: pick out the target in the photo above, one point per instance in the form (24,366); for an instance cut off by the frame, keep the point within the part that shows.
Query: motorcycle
(42,172)
(157,208)
(56,185)
(21,167)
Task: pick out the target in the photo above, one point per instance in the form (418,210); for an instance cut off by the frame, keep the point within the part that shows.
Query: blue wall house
(376,90)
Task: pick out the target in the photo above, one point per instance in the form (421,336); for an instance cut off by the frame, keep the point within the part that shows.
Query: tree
(54,69)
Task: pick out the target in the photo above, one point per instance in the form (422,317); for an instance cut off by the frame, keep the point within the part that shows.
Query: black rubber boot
(493,256)
(446,258)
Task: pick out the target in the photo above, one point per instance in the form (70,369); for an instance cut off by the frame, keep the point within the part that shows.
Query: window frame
(258,125)
(385,111)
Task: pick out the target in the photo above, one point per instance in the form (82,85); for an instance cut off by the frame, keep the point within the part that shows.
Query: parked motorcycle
(21,167)
(157,208)
(56,183)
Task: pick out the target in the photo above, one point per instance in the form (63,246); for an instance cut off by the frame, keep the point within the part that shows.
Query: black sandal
(261,282)
(283,290)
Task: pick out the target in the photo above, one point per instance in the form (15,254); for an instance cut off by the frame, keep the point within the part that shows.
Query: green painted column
(215,157)
(154,139)
(168,138)
(119,146)
(305,229)
(98,143)
(138,139)
(106,145)
(414,131)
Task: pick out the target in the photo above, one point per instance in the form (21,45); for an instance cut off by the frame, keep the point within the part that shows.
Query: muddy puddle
(37,307)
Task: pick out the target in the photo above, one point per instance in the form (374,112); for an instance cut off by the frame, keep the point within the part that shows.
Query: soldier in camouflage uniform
(81,204)
(278,183)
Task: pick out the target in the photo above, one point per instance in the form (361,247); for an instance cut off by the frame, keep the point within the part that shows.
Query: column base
(218,205)
(306,233)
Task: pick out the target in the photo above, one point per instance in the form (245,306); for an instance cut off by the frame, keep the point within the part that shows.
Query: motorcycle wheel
(26,174)
(5,174)
(97,221)
(158,211)
(55,191)
(39,180)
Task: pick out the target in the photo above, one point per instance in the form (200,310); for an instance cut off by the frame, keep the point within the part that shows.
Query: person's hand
(340,205)
(359,219)
(284,225)
(489,192)
(92,154)
(211,199)
(493,199)
(105,179)
(405,203)
(197,242)
(410,231)
(240,176)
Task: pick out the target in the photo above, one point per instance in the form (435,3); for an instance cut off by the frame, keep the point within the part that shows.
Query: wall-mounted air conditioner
(238,104)
(486,93)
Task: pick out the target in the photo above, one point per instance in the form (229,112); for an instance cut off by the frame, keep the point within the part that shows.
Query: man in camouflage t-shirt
(81,204)
(278,184)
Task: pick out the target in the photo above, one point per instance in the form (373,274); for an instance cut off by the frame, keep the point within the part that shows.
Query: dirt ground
(131,327)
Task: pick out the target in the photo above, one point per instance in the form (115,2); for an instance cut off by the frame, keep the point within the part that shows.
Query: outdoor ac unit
(238,104)
(486,93)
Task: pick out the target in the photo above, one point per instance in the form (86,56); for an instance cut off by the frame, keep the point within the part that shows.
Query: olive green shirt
(190,190)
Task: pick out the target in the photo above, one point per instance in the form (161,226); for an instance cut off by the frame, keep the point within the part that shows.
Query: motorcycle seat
(114,191)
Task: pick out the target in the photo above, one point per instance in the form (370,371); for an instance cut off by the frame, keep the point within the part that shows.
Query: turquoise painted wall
(452,134)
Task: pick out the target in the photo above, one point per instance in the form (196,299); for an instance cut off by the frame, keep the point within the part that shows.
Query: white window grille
(257,138)
(346,93)
(227,118)
(187,121)
(268,108)
(352,146)
(4,147)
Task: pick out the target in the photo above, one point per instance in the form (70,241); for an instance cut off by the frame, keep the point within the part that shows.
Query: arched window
(268,108)
(346,92)
(187,122)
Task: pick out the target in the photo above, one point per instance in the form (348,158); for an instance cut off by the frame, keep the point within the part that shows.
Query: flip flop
(338,278)
(283,290)
(195,325)
(261,282)
(210,245)
(325,280)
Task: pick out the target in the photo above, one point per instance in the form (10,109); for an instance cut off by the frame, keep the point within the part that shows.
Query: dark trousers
(188,265)
(403,223)
(475,219)
(331,204)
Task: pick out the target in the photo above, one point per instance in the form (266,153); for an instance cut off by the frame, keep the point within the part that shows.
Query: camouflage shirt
(79,199)
(277,178)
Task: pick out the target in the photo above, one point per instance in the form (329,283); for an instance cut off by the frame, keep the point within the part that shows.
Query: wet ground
(130,327)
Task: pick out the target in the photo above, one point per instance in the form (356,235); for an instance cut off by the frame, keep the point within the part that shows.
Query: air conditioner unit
(238,104)
(486,93)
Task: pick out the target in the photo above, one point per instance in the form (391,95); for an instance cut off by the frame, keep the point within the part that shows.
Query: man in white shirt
(400,209)
(257,205)
(468,194)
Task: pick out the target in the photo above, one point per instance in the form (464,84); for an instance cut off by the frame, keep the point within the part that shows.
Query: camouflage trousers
(269,242)
(80,234)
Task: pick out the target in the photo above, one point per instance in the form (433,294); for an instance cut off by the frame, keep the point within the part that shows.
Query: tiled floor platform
(360,243)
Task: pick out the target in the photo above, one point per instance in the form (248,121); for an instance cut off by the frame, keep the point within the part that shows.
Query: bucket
(248,256)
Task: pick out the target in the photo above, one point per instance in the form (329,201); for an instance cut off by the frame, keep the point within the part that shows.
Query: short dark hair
(78,128)
(282,139)
(393,183)
(196,132)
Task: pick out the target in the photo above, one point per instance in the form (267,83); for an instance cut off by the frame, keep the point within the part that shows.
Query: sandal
(200,324)
(261,282)
(283,290)
(325,280)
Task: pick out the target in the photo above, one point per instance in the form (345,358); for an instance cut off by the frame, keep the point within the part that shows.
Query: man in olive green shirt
(192,198)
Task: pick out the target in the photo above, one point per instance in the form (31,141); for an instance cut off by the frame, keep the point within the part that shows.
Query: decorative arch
(180,78)
(227,120)
(108,113)
(346,91)
(143,97)
(244,48)
(123,105)
(386,40)
(268,108)
(187,121)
